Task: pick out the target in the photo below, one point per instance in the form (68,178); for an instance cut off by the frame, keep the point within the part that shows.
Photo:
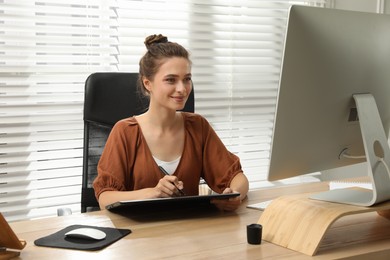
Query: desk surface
(208,235)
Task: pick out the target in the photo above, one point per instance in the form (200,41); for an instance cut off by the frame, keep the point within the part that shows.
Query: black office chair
(109,97)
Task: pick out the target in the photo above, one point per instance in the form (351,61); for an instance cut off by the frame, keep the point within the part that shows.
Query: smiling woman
(139,147)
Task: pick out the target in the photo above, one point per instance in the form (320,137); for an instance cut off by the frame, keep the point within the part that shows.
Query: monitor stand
(378,159)
(300,223)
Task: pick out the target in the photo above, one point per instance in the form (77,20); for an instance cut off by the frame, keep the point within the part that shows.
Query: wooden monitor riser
(299,223)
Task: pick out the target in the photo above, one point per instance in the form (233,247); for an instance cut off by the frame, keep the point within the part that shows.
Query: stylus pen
(166,173)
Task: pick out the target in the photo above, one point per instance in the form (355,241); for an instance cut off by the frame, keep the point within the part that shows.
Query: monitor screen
(330,56)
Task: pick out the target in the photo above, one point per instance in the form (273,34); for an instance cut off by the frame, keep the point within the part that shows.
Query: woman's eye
(170,80)
(188,79)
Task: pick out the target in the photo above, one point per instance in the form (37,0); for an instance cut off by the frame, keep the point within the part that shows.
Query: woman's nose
(181,87)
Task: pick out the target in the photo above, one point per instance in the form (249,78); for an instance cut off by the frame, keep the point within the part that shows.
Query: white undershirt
(169,167)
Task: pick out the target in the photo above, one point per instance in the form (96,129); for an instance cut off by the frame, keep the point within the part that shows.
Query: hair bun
(154,39)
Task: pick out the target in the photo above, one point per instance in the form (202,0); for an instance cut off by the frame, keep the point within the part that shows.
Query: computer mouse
(86,233)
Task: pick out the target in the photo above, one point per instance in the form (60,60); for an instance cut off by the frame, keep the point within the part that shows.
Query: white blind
(49,47)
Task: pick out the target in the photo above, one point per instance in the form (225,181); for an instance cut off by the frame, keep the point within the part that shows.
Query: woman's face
(171,85)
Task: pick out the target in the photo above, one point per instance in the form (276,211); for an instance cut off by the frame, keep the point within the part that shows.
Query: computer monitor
(330,56)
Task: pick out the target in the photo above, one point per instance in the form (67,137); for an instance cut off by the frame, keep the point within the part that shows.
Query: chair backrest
(109,97)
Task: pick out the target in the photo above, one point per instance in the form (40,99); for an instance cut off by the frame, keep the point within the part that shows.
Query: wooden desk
(209,235)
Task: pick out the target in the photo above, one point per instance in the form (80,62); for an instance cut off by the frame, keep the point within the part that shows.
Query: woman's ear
(147,84)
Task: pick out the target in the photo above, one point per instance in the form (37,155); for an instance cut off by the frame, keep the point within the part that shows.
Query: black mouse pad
(58,239)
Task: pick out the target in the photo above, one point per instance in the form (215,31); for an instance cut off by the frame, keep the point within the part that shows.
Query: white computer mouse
(86,233)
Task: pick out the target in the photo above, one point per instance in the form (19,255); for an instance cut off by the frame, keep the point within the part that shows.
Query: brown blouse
(127,163)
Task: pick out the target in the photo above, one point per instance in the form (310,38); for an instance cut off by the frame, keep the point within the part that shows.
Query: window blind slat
(39,194)
(20,119)
(41,184)
(42,136)
(54,68)
(42,127)
(42,155)
(41,146)
(42,174)
(26,166)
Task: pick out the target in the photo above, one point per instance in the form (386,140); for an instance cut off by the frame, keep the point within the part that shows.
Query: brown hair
(158,48)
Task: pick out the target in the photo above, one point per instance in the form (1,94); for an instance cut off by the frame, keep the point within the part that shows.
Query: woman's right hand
(168,187)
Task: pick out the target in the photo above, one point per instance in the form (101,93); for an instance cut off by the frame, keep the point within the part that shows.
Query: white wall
(380,6)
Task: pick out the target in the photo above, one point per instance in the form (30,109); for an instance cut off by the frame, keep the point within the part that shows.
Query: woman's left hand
(230,204)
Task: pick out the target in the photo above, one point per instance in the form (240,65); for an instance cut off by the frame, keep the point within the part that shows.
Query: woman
(183,145)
